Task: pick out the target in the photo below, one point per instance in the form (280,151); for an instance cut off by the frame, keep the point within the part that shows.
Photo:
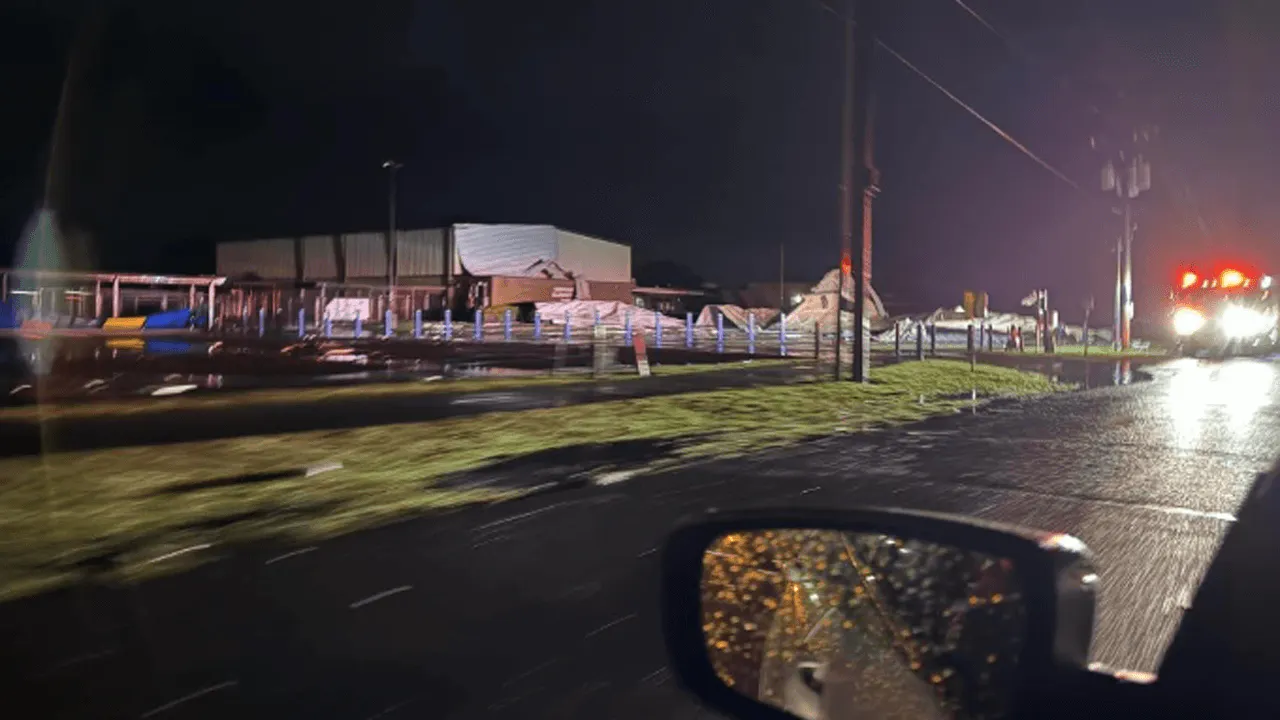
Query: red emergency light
(1231,278)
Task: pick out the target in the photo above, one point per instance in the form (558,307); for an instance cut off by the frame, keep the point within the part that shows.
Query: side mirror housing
(800,613)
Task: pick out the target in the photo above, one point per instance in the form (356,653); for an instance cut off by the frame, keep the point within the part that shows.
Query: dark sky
(703,131)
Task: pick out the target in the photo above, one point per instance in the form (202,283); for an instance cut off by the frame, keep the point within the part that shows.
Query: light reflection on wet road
(547,607)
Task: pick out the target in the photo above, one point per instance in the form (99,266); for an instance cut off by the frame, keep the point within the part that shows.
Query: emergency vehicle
(1229,311)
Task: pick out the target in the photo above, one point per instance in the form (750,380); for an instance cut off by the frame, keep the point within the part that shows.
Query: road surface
(547,607)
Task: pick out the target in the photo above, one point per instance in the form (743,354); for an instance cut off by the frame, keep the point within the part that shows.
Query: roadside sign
(642,355)
(975,304)
(347,309)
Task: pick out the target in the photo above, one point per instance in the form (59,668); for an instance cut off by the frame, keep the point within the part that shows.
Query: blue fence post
(782,335)
(626,329)
(506,325)
(657,329)
(302,322)
(359,324)
(568,329)
(448,325)
(328,326)
(751,333)
(537,325)
(688,330)
(388,322)
(596,322)
(720,332)
(262,321)
(417,324)
(477,331)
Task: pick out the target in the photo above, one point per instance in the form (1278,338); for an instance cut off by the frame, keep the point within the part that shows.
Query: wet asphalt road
(547,607)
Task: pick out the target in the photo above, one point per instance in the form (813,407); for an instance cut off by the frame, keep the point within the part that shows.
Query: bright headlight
(1187,321)
(1243,322)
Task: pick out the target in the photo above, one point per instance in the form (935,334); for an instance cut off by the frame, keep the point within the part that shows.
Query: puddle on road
(1089,375)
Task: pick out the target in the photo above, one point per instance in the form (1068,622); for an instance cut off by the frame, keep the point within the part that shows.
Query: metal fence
(905,339)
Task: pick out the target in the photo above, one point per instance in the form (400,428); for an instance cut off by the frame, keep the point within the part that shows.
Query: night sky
(700,131)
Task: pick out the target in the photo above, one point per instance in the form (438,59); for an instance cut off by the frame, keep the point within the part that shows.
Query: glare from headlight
(1186,321)
(1242,322)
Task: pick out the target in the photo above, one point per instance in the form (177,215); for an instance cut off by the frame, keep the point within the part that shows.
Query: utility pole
(858,180)
(1115,326)
(1128,175)
(846,185)
(867,23)
(391,166)
(1126,319)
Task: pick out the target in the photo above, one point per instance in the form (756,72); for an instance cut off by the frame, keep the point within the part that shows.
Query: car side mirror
(874,613)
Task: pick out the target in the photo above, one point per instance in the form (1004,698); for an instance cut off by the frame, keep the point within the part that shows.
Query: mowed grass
(137,511)
(239,399)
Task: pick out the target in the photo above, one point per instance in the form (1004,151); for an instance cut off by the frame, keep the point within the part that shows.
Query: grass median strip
(136,511)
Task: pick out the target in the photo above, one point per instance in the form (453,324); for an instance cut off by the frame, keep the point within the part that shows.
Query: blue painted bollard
(302,322)
(782,335)
(388,324)
(448,325)
(477,330)
(417,324)
(657,329)
(626,330)
(262,321)
(751,333)
(568,330)
(359,325)
(595,323)
(537,326)
(720,332)
(688,330)
(328,326)
(506,325)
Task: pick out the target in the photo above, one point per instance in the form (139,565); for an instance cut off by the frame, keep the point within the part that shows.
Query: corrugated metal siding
(366,254)
(506,290)
(268,259)
(319,260)
(420,253)
(488,250)
(592,258)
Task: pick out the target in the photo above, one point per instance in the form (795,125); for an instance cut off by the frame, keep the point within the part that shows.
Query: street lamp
(391,166)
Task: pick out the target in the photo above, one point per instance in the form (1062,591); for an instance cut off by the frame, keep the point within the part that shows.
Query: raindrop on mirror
(826,624)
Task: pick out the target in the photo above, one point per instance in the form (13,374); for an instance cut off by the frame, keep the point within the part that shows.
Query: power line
(995,128)
(1001,132)
(980,19)
(1112,87)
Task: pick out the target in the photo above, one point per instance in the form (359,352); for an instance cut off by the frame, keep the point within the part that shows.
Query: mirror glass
(827,624)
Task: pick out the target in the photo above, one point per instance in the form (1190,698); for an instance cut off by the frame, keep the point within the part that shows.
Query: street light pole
(391,166)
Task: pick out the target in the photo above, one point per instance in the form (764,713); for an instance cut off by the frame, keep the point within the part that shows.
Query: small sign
(562,293)
(347,309)
(975,304)
(642,356)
